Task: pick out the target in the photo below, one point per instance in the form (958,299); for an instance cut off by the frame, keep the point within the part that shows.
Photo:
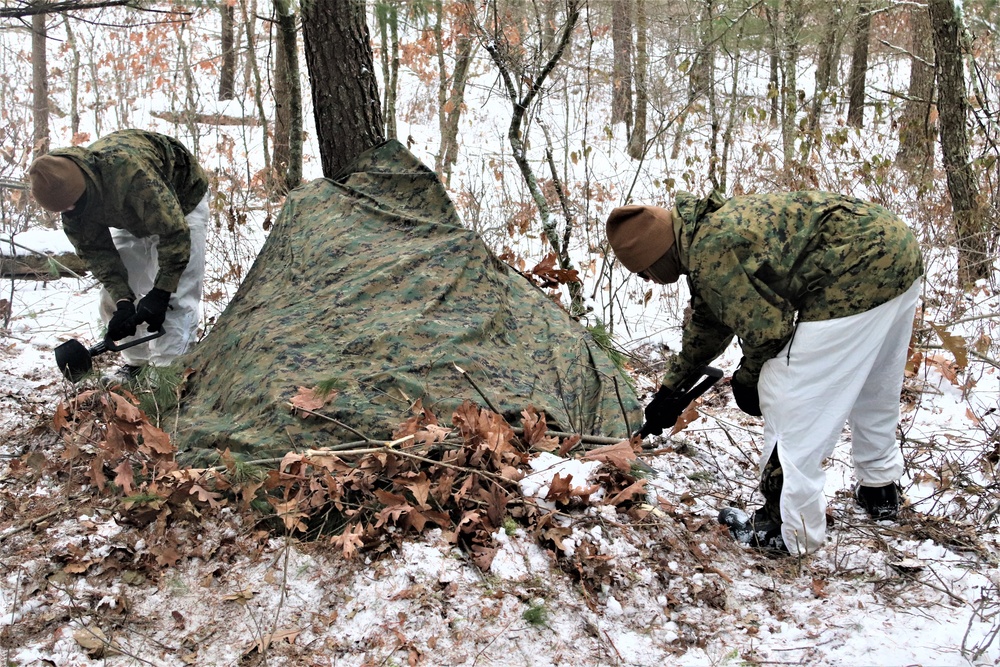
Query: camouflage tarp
(372,281)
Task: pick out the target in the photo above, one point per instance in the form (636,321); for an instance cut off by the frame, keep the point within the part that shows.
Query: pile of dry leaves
(364,497)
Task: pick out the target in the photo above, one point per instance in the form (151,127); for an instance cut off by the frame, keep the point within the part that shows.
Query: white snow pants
(141,261)
(832,371)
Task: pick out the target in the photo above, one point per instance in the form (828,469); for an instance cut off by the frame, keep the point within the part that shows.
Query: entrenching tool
(75,360)
(688,391)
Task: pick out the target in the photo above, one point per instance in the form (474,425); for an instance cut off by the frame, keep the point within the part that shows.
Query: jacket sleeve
(157,206)
(94,246)
(704,339)
(761,319)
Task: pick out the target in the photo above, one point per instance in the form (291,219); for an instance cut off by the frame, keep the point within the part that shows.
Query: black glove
(746,396)
(122,323)
(662,412)
(152,308)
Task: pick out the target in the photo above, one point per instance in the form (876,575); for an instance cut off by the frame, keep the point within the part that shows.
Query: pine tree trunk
(227,73)
(973,260)
(342,73)
(621,73)
(39,85)
(859,67)
(637,140)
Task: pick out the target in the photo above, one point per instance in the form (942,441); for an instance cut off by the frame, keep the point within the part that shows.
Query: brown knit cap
(640,235)
(56,183)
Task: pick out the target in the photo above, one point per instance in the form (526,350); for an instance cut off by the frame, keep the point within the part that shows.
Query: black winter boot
(759,531)
(881,502)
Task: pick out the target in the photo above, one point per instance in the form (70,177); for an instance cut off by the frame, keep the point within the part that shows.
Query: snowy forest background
(540,117)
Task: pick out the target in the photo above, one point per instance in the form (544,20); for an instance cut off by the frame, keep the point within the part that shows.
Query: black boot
(759,531)
(881,502)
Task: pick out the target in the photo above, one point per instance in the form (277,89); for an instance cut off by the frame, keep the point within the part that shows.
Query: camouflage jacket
(142,182)
(755,263)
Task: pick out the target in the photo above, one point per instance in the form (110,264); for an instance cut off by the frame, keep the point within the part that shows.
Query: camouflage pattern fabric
(372,282)
(757,262)
(142,182)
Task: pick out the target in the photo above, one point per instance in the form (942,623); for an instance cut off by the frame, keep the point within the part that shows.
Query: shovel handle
(108,345)
(689,391)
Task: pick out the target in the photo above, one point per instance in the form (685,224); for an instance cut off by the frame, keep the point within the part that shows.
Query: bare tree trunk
(39,85)
(344,89)
(621,73)
(789,86)
(734,112)
(859,67)
(774,61)
(464,48)
(74,81)
(387,15)
(701,74)
(287,100)
(227,73)
(916,133)
(256,85)
(190,107)
(637,140)
(824,68)
(973,258)
(521,103)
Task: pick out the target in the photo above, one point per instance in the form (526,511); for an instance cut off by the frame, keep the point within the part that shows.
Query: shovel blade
(74,360)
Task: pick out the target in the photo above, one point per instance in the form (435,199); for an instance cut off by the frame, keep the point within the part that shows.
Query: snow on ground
(880,594)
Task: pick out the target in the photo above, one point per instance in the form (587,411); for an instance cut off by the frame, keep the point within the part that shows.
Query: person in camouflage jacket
(135,206)
(820,289)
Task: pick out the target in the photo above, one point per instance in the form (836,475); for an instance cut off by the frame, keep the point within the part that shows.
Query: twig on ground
(475,386)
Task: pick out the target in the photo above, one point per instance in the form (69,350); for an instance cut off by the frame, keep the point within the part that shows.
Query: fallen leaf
(285,634)
(242,596)
(93,640)
(619,455)
(310,399)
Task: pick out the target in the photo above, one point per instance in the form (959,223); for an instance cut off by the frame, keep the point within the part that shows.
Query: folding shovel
(75,361)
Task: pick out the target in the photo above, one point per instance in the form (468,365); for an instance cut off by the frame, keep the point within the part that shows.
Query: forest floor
(88,578)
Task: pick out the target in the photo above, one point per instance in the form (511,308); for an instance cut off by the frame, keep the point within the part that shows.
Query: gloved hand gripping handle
(685,393)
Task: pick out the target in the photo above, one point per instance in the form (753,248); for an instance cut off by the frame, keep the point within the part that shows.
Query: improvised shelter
(370,282)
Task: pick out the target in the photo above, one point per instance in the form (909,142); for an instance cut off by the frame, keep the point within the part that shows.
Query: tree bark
(387,15)
(794,15)
(256,85)
(973,259)
(288,99)
(859,67)
(621,72)
(916,133)
(452,112)
(342,73)
(774,64)
(637,140)
(74,81)
(39,85)
(227,73)
(824,69)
